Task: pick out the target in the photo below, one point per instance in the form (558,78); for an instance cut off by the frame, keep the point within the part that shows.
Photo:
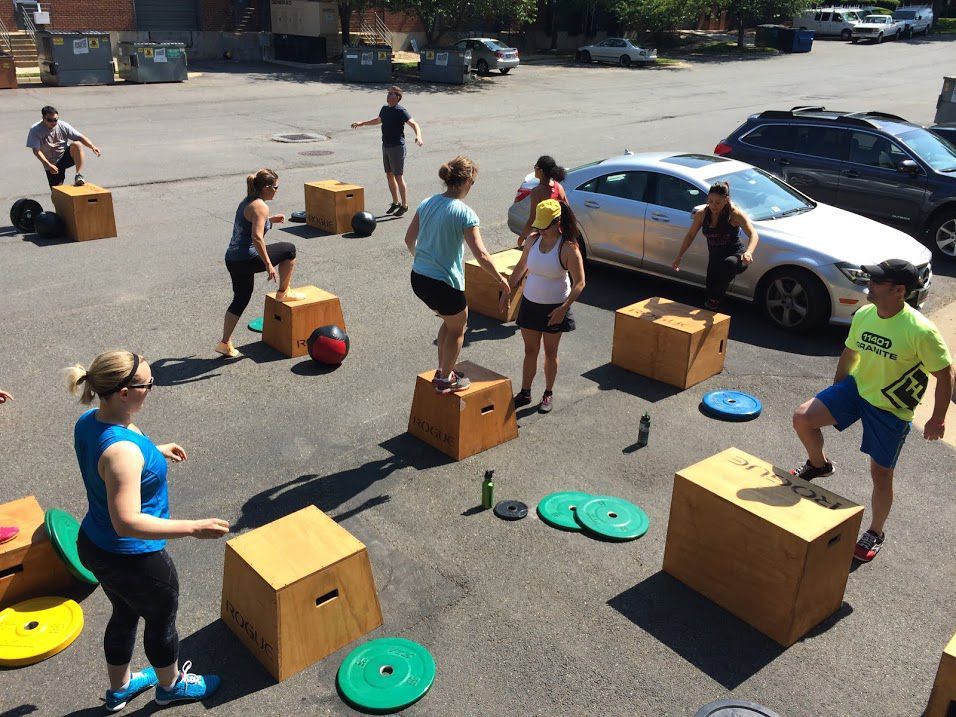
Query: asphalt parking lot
(521,619)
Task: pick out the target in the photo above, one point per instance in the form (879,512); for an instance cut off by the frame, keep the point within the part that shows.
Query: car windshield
(495,45)
(877,19)
(762,196)
(904,15)
(932,149)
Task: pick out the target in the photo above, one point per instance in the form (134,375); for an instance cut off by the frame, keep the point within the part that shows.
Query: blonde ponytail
(106,374)
(255,183)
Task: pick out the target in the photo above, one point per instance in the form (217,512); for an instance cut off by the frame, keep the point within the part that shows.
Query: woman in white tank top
(547,258)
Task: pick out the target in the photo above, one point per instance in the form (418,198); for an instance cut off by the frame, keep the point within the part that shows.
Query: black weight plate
(297,217)
(735,708)
(15,212)
(511,510)
(28,214)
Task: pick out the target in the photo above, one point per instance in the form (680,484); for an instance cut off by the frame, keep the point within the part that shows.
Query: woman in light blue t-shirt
(442,225)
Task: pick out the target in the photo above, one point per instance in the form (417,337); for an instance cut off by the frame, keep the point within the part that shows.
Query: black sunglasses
(148,386)
(53,120)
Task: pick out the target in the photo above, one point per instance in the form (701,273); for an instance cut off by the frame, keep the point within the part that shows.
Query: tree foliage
(655,15)
(437,16)
(747,13)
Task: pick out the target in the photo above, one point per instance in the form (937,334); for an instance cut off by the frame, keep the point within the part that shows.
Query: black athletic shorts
(534,317)
(442,298)
(65,162)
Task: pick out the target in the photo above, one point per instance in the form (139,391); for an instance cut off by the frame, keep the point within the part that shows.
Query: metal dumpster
(368,63)
(802,41)
(445,65)
(768,36)
(68,58)
(152,61)
(946,104)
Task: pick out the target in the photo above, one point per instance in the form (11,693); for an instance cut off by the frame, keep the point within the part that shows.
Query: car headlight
(854,273)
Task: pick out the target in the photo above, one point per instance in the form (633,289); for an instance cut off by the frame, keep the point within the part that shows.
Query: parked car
(616,49)
(836,22)
(877,28)
(489,54)
(872,163)
(634,210)
(916,20)
(946,131)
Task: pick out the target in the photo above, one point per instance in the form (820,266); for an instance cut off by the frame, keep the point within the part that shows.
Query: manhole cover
(299,137)
(316,153)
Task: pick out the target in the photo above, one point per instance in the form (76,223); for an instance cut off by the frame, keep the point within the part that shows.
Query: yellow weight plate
(36,629)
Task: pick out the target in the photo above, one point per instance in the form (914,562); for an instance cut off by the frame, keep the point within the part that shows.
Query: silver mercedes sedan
(634,210)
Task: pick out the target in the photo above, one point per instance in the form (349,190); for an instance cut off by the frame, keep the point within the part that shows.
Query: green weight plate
(557,509)
(63,531)
(385,676)
(612,518)
(256,324)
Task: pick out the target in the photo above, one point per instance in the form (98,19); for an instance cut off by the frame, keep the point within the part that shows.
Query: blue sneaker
(139,682)
(189,687)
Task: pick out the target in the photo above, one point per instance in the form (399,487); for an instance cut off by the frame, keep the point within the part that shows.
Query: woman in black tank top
(721,223)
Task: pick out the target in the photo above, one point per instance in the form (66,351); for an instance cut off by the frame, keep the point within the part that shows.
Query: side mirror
(908,166)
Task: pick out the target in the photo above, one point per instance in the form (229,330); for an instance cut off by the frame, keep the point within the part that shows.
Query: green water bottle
(488,490)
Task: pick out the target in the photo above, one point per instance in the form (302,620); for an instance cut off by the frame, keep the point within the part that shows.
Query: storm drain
(299,137)
(316,153)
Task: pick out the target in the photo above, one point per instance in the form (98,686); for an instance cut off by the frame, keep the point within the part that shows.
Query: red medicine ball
(328,344)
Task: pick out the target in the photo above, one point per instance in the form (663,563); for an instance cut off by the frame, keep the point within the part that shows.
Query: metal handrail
(378,30)
(31,29)
(383,29)
(5,37)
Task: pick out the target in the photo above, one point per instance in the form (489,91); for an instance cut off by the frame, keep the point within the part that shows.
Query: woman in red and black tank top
(721,223)
(549,176)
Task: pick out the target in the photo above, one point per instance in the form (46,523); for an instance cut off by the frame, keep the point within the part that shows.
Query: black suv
(872,163)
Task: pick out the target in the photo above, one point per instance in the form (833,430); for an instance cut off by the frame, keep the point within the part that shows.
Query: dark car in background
(872,163)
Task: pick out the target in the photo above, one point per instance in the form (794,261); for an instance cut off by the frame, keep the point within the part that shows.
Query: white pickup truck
(916,20)
(877,28)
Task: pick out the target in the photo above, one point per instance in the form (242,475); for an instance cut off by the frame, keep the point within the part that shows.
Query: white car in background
(618,50)
(634,210)
(916,20)
(877,28)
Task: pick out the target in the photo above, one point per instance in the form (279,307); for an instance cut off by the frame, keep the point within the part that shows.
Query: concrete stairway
(24,50)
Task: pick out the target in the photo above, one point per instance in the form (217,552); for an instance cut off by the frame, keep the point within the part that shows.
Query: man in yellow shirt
(882,375)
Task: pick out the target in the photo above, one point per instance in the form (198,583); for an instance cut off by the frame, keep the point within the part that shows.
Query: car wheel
(879,39)
(942,235)
(794,299)
(845,35)
(505,70)
(482,67)
(585,56)
(625,60)
(854,40)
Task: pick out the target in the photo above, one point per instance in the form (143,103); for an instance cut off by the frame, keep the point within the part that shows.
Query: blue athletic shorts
(883,433)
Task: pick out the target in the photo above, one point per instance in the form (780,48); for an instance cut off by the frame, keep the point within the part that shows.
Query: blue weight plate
(731,405)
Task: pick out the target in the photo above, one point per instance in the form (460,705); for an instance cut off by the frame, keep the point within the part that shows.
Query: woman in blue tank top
(123,535)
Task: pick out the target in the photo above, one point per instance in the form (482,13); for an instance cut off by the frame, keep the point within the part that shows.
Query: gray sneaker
(79,181)
(455,382)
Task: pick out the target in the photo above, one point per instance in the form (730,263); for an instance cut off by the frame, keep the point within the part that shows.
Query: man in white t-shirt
(57,145)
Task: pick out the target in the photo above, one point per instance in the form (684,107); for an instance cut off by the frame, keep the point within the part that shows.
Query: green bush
(890,5)
(946,24)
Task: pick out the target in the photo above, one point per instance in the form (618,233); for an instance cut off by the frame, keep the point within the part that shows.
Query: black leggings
(244,272)
(722,267)
(138,586)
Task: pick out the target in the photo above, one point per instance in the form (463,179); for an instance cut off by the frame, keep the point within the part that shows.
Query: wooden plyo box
(298,589)
(330,205)
(29,566)
(87,211)
(678,344)
(770,548)
(481,291)
(8,73)
(287,325)
(467,422)
(943,695)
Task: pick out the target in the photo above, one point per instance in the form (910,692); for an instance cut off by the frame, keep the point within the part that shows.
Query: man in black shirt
(393,118)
